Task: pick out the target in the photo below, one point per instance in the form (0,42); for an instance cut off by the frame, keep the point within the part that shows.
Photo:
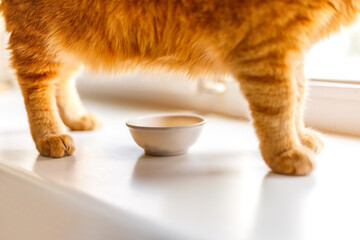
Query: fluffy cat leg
(71,110)
(39,95)
(37,71)
(272,101)
(307,136)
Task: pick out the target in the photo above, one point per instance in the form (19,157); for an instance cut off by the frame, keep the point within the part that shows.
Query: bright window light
(336,58)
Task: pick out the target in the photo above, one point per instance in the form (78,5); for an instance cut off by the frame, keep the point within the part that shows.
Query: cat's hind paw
(295,161)
(312,140)
(85,123)
(56,146)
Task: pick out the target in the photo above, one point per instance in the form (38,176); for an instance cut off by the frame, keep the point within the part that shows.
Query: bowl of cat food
(166,134)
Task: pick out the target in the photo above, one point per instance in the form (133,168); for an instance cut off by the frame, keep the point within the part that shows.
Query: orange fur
(260,42)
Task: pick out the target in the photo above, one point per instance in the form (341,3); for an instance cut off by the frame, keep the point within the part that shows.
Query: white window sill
(222,189)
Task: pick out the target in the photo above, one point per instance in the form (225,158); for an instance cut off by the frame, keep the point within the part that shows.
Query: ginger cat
(261,43)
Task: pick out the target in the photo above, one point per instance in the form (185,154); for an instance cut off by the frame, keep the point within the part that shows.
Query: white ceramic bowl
(166,134)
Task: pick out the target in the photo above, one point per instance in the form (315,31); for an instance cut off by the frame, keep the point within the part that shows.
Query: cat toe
(56,146)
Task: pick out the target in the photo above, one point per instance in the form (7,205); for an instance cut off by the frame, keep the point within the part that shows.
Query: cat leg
(71,110)
(38,89)
(271,93)
(37,71)
(308,137)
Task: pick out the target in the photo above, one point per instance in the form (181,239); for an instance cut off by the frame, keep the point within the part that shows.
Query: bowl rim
(134,126)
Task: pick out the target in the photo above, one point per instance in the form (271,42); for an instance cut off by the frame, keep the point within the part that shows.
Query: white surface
(220,190)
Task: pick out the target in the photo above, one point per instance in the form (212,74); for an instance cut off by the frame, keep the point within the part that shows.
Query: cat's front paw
(312,140)
(298,160)
(84,123)
(56,146)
